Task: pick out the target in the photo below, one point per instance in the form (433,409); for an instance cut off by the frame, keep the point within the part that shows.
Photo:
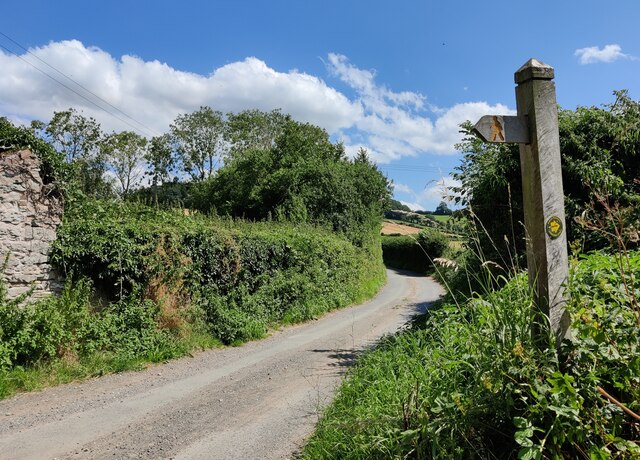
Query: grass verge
(469,383)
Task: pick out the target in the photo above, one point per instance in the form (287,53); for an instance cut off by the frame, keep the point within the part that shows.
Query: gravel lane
(257,401)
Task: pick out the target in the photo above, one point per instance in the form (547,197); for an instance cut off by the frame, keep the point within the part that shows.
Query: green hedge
(413,252)
(242,277)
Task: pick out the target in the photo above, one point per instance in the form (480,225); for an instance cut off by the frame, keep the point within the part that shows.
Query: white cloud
(414,206)
(440,191)
(401,124)
(389,124)
(608,53)
(402,188)
(153,93)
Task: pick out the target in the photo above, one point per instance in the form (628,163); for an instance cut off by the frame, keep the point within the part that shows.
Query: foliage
(79,139)
(243,277)
(442,209)
(254,129)
(303,178)
(491,188)
(469,382)
(124,152)
(167,195)
(73,134)
(199,141)
(162,280)
(415,253)
(599,148)
(53,168)
(157,283)
(396,205)
(160,158)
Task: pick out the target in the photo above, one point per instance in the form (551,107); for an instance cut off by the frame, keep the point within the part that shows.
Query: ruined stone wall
(29,217)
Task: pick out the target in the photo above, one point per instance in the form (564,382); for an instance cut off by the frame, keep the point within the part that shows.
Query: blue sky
(395,77)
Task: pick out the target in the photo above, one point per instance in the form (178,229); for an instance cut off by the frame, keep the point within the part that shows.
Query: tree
(75,135)
(78,138)
(160,157)
(443,210)
(304,177)
(254,129)
(125,152)
(200,141)
(395,205)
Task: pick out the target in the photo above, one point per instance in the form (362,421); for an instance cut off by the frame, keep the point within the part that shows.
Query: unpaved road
(257,401)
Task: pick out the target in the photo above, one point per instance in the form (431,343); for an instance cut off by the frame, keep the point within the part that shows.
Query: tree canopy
(303,177)
(599,148)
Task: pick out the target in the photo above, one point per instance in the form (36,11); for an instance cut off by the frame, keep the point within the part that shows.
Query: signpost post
(535,128)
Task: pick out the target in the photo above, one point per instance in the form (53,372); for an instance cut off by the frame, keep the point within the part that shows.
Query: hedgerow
(145,284)
(244,277)
(413,252)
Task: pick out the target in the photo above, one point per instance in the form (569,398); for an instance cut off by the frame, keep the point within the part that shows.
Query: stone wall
(29,217)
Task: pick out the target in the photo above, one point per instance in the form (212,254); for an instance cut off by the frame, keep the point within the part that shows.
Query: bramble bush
(243,277)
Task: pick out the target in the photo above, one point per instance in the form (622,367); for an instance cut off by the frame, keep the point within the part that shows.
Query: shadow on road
(341,358)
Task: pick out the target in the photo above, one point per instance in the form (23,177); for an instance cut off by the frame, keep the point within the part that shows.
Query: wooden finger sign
(535,128)
(502,128)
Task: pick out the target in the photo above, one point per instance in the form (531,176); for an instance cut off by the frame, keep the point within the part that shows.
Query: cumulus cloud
(402,188)
(153,93)
(414,206)
(389,124)
(397,124)
(608,53)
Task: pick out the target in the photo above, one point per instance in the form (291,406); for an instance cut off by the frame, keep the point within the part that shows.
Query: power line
(146,128)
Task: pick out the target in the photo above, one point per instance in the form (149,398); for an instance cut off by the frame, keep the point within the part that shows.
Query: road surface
(257,401)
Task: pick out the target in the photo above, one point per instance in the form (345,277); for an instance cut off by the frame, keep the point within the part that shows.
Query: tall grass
(469,383)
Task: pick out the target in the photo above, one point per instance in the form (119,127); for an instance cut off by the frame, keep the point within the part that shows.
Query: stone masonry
(29,217)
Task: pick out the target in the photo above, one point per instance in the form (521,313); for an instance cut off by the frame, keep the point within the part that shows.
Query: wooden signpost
(535,128)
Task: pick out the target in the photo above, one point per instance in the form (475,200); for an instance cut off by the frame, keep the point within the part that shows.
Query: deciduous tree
(78,138)
(254,129)
(125,152)
(200,141)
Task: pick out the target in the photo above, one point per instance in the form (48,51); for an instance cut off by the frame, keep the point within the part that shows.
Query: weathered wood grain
(500,128)
(543,196)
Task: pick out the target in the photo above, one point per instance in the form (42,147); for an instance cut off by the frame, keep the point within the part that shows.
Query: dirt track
(258,401)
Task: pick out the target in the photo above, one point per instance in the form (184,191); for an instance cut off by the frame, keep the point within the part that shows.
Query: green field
(439,218)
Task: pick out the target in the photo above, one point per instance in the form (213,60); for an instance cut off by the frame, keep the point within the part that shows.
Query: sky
(395,77)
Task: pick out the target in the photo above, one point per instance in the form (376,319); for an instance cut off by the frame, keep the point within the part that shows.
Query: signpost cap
(534,70)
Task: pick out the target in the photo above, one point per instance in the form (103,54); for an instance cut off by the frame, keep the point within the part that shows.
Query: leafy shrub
(128,328)
(65,325)
(244,277)
(413,253)
(599,148)
(44,329)
(53,169)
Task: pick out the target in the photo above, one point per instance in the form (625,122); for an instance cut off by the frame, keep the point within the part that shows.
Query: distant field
(439,218)
(390,228)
